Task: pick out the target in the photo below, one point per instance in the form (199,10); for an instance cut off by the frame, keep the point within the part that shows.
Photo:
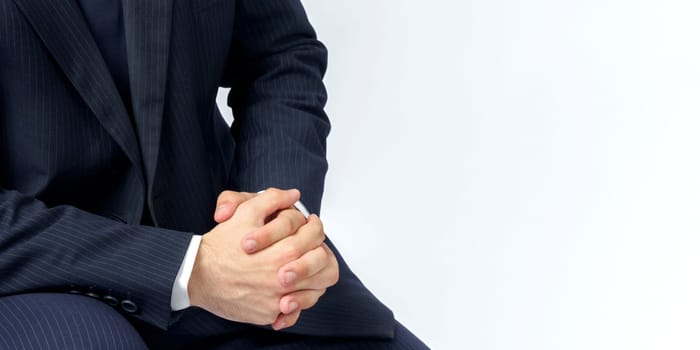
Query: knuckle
(223,196)
(262,235)
(327,260)
(335,275)
(313,297)
(283,222)
(319,223)
(328,250)
(299,217)
(329,254)
(287,214)
(319,234)
(311,302)
(298,221)
(291,252)
(320,237)
(273,192)
(334,278)
(273,197)
(290,223)
(301,298)
(238,198)
(301,268)
(245,206)
(334,261)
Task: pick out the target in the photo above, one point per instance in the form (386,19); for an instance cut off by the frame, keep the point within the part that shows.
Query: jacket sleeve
(65,249)
(275,71)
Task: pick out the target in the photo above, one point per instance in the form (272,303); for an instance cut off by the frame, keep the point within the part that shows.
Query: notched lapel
(148,27)
(61,26)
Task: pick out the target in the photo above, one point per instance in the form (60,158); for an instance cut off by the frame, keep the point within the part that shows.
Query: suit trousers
(67,321)
(63,321)
(194,330)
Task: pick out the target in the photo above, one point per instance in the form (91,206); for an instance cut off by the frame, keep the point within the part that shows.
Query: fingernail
(293,306)
(249,245)
(289,277)
(222,206)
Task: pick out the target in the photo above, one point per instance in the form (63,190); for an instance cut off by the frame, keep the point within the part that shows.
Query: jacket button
(110,300)
(129,306)
(93,295)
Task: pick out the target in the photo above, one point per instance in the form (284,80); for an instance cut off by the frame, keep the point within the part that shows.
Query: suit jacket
(78,168)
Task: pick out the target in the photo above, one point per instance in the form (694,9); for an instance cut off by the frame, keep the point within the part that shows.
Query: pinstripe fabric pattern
(280,129)
(76,170)
(63,321)
(275,100)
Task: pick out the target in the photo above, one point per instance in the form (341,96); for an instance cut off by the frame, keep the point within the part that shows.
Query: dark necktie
(106,21)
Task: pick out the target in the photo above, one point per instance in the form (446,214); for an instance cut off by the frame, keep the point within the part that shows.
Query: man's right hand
(242,287)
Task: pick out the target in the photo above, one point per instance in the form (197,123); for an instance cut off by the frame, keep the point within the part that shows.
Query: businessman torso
(67,137)
(68,140)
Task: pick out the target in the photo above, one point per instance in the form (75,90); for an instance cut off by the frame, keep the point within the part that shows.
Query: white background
(519,174)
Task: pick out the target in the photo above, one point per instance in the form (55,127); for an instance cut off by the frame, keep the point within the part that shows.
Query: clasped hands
(264,262)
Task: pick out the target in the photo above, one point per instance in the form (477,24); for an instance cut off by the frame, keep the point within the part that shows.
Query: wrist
(196,282)
(179,298)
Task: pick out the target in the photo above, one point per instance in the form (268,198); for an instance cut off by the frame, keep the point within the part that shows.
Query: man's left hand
(296,273)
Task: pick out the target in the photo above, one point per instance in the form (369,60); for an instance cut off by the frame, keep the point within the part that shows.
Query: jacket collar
(62,27)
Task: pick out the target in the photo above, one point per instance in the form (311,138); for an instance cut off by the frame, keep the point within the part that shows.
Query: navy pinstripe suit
(79,167)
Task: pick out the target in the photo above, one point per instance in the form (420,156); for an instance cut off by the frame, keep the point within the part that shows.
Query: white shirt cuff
(180,299)
(300,207)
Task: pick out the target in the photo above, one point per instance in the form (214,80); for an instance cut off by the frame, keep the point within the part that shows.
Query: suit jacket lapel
(148,25)
(61,26)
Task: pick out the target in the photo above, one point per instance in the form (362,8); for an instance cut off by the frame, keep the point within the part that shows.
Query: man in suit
(129,210)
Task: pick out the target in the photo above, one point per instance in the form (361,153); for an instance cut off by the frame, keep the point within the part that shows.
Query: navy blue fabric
(63,321)
(248,337)
(77,172)
(264,339)
(106,21)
